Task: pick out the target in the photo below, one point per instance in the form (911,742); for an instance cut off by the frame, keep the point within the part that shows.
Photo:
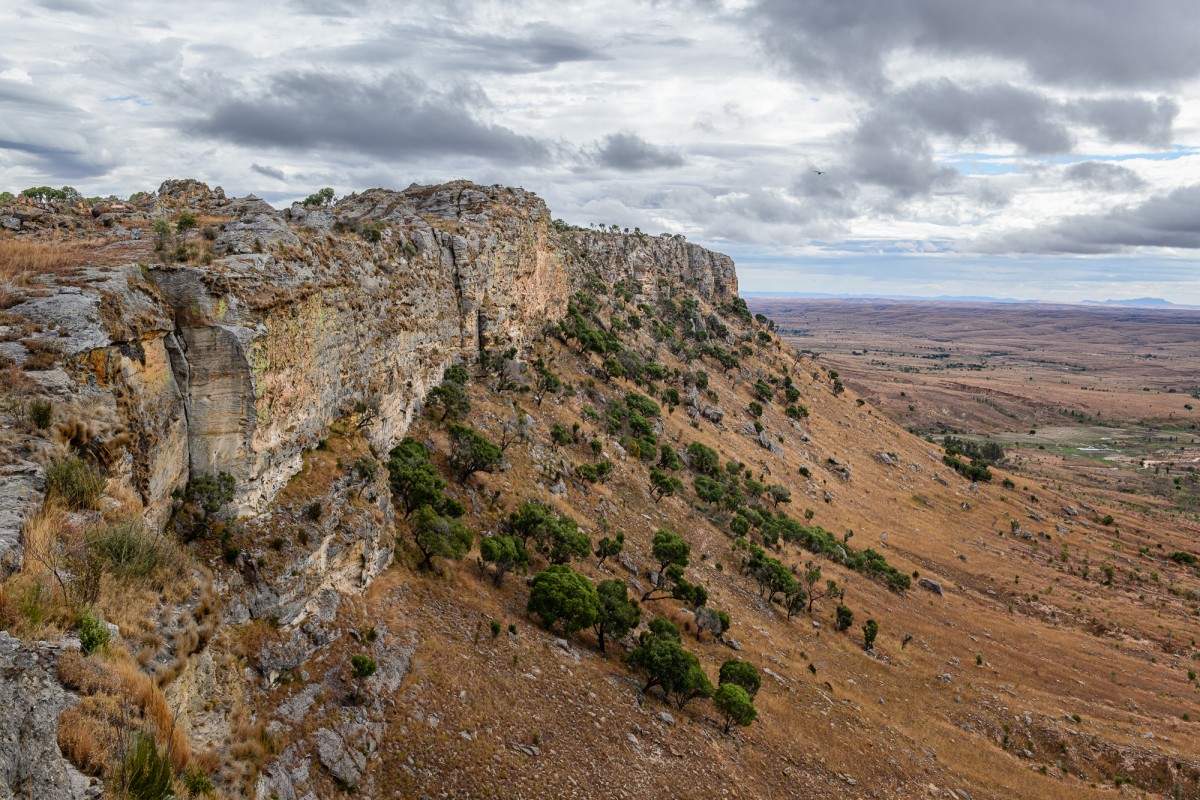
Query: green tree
(708,489)
(609,547)
(413,479)
(617,612)
(544,381)
(471,452)
(670,548)
(319,198)
(741,673)
(556,535)
(184,223)
(845,617)
(560,594)
(663,485)
(870,631)
(161,229)
(668,458)
(703,459)
(438,535)
(735,706)
(452,398)
(663,661)
(504,553)
(7,198)
(779,494)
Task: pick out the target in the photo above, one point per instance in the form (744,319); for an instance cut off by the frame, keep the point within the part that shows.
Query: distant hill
(1139,302)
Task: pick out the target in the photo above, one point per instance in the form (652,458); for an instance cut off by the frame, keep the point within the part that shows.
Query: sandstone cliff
(235,345)
(306,316)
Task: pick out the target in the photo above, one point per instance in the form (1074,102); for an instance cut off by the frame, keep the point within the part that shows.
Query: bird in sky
(819,172)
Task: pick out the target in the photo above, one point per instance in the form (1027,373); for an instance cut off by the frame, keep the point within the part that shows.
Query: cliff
(307,316)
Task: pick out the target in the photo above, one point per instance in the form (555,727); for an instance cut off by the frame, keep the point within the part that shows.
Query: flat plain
(1102,397)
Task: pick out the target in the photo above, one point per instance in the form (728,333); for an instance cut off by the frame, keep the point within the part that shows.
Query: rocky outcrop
(312,314)
(657,265)
(31,765)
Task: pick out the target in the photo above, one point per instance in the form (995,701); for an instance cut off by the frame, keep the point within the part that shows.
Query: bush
(197,783)
(41,413)
(93,632)
(75,482)
(471,452)
(130,550)
(363,666)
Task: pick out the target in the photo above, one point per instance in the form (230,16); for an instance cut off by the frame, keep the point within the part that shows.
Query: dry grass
(21,260)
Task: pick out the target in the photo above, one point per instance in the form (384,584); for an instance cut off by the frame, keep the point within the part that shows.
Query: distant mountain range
(1135,302)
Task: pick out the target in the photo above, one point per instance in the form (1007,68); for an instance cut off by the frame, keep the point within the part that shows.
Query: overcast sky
(1014,148)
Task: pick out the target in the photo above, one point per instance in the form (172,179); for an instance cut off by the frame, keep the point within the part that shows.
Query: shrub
(75,482)
(41,413)
(363,666)
(617,613)
(504,553)
(703,459)
(93,632)
(471,452)
(201,501)
(663,660)
(197,783)
(438,535)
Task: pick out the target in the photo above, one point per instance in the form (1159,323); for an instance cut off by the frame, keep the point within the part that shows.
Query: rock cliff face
(235,350)
(306,316)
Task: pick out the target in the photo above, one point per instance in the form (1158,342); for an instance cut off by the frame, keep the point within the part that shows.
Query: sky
(1036,149)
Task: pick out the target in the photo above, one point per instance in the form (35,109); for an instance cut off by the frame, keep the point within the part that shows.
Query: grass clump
(75,482)
(130,550)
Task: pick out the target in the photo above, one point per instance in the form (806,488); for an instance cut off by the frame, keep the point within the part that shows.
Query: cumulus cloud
(629,152)
(1092,43)
(270,172)
(1103,177)
(396,116)
(1164,221)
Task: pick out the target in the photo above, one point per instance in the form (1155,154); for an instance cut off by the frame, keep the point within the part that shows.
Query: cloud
(1103,176)
(397,116)
(1164,221)
(271,172)
(1093,44)
(49,131)
(81,7)
(629,152)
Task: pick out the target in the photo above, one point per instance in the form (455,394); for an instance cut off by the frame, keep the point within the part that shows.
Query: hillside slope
(1049,657)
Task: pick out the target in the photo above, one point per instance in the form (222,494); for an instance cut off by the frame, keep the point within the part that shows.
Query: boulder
(931,585)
